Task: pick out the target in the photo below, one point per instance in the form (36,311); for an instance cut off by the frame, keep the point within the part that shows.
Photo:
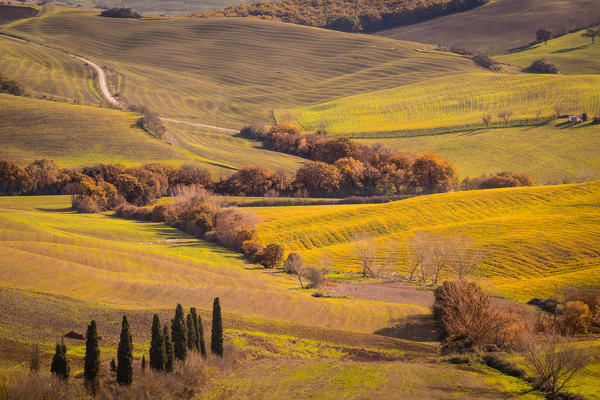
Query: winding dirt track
(105,91)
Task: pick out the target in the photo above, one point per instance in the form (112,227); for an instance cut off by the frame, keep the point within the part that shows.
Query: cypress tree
(91,361)
(191,331)
(179,334)
(168,350)
(216,343)
(201,337)
(158,355)
(143,362)
(196,329)
(125,355)
(60,364)
(34,363)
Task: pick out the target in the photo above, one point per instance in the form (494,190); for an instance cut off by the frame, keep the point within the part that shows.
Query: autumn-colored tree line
(348,15)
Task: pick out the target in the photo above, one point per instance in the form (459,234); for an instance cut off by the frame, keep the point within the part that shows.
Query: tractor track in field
(104,89)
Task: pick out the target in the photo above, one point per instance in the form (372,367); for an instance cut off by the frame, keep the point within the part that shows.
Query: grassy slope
(552,154)
(449,102)
(571,53)
(356,381)
(533,238)
(120,263)
(238,69)
(74,135)
(501,25)
(152,7)
(48,73)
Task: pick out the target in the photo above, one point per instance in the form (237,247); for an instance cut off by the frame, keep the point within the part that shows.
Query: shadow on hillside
(570,49)
(415,327)
(57,210)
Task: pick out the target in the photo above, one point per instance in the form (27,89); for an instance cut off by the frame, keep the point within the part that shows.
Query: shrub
(486,62)
(506,367)
(466,319)
(501,180)
(548,305)
(120,12)
(541,67)
(10,86)
(315,276)
(252,250)
(576,317)
(272,255)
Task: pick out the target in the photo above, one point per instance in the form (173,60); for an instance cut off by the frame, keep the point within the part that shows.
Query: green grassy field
(535,239)
(236,70)
(74,135)
(292,379)
(449,103)
(500,25)
(48,73)
(121,263)
(571,53)
(553,153)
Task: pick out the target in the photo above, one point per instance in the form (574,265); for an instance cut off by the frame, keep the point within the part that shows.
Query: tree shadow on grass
(570,49)
(56,210)
(419,328)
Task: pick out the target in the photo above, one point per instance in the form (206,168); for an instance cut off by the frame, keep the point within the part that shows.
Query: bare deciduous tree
(505,115)
(365,250)
(487,118)
(555,362)
(294,264)
(427,257)
(463,256)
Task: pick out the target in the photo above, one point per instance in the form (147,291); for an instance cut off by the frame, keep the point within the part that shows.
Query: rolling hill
(535,239)
(500,25)
(449,104)
(571,53)
(552,153)
(236,70)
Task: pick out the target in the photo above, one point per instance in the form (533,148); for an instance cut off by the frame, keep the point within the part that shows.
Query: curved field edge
(546,236)
(46,247)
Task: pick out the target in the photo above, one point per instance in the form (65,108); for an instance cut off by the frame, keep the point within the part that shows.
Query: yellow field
(48,73)
(236,70)
(46,247)
(449,103)
(74,135)
(571,53)
(553,153)
(535,239)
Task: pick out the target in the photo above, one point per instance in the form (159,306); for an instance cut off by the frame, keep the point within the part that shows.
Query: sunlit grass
(535,239)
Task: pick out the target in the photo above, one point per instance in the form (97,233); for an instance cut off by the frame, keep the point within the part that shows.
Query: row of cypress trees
(186,333)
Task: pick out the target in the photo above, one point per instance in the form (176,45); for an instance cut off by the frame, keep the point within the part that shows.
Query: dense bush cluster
(120,12)
(349,15)
(466,318)
(577,313)
(342,167)
(9,86)
(150,121)
(501,180)
(486,62)
(541,67)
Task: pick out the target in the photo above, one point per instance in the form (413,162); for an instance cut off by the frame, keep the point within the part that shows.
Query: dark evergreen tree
(158,355)
(196,330)
(179,334)
(60,364)
(91,361)
(125,355)
(216,343)
(168,350)
(201,337)
(143,362)
(191,332)
(113,367)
